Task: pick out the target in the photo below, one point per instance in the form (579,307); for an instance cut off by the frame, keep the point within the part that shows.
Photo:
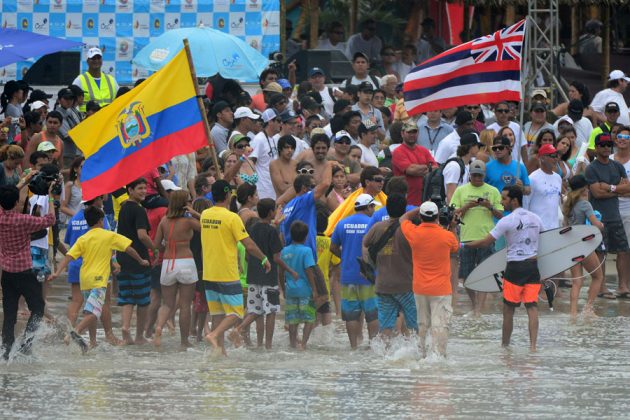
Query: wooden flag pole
(202,109)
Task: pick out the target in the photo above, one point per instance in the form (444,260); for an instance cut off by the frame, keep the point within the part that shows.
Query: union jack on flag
(484,70)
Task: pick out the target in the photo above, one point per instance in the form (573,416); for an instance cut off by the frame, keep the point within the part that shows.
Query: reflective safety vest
(103,95)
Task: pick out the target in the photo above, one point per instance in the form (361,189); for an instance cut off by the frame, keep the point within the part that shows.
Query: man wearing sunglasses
(537,113)
(607,180)
(546,186)
(502,115)
(365,42)
(502,170)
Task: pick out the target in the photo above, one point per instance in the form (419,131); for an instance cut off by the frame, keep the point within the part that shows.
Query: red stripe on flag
(485,67)
(481,98)
(157,153)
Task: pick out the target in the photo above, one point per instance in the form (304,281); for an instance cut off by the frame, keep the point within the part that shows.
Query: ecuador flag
(141,130)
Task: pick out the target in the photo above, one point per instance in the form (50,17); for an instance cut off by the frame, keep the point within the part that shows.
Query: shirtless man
(317,155)
(282,170)
(339,152)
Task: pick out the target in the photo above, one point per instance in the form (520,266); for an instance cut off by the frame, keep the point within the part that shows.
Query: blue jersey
(298,257)
(381,214)
(77,227)
(349,234)
(301,208)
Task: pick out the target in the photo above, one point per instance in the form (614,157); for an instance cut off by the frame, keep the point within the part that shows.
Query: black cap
(576,106)
(287,116)
(350,88)
(470,138)
(39,95)
(309,103)
(66,93)
(365,87)
(611,106)
(538,106)
(577,182)
(360,54)
(276,98)
(340,104)
(219,106)
(602,137)
(463,117)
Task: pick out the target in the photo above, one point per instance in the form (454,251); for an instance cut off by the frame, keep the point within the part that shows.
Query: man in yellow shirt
(96,248)
(221,230)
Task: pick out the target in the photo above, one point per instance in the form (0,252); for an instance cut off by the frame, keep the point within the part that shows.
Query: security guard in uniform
(97,86)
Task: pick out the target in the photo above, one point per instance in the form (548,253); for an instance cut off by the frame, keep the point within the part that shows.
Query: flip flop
(607,295)
(625,295)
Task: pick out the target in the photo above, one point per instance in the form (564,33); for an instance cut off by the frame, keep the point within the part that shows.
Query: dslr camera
(40,183)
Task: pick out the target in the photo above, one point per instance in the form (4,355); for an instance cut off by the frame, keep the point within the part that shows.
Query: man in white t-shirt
(582,125)
(317,78)
(265,149)
(365,42)
(367,138)
(456,172)
(521,278)
(546,186)
(502,115)
(361,67)
(617,84)
(448,145)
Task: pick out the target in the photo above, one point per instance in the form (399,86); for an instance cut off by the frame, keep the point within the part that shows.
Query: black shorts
(615,237)
(156,272)
(521,273)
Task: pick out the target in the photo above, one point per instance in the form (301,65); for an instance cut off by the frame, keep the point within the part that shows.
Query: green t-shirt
(478,220)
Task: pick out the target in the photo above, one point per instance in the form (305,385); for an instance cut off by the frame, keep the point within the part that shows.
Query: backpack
(368,268)
(373,78)
(387,160)
(433,186)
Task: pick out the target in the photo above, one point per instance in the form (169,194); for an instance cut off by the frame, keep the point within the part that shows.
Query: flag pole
(202,109)
(523,94)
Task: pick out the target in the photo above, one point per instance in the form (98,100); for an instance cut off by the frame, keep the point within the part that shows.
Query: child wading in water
(96,248)
(577,210)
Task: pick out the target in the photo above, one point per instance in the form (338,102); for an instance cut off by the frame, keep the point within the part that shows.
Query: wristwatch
(612,188)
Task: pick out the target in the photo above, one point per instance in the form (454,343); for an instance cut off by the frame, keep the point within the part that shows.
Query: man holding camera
(18,277)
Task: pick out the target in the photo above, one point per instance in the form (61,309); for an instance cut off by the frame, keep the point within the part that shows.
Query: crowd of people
(325,202)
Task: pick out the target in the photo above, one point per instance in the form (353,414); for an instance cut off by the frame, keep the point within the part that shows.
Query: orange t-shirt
(431,248)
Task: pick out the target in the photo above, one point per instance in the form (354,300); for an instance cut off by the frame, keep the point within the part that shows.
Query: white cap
(269,114)
(245,112)
(341,134)
(618,74)
(169,185)
(45,146)
(540,92)
(94,51)
(38,105)
(365,200)
(429,209)
(566,118)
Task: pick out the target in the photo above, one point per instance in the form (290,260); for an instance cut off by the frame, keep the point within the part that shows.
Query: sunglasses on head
(605,144)
(503,111)
(378,179)
(306,171)
(498,148)
(623,136)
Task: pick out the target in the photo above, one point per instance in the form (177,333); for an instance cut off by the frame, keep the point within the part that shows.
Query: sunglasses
(538,110)
(241,146)
(623,136)
(472,108)
(305,171)
(612,111)
(605,144)
(498,148)
(502,111)
(378,179)
(344,141)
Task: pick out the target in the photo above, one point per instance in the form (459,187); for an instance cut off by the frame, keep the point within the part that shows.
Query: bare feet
(185,345)
(157,338)
(140,341)
(126,338)
(112,339)
(93,345)
(212,340)
(235,337)
(170,326)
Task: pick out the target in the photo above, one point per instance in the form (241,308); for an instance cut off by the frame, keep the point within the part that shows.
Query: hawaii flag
(484,70)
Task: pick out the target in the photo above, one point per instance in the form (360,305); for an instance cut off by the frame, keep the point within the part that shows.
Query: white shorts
(258,299)
(179,270)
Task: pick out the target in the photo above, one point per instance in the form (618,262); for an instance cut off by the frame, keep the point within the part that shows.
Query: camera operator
(18,278)
(477,205)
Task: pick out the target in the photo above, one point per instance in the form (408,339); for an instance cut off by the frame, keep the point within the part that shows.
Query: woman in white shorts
(178,267)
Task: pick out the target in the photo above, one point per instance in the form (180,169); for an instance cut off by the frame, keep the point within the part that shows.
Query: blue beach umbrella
(212,52)
(16,45)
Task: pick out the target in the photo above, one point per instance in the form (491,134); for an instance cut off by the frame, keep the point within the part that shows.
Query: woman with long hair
(486,138)
(11,156)
(577,210)
(11,100)
(339,190)
(74,194)
(34,125)
(564,148)
(247,198)
(545,136)
(244,170)
(179,272)
(577,90)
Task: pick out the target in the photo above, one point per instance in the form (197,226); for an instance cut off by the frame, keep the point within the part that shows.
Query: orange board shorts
(514,295)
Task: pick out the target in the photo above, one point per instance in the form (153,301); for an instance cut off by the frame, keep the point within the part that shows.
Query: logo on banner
(107,26)
(24,23)
(221,23)
(90,23)
(157,23)
(173,25)
(189,5)
(41,25)
(132,125)
(237,24)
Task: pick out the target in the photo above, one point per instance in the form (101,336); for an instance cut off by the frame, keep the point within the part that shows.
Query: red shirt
(155,217)
(15,245)
(150,177)
(258,102)
(404,156)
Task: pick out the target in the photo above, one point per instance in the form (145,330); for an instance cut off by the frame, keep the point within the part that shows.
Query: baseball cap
(273,87)
(540,92)
(169,185)
(66,93)
(409,126)
(577,182)
(470,138)
(287,116)
(45,146)
(284,83)
(538,106)
(576,107)
(364,200)
(269,114)
(365,87)
(546,149)
(39,95)
(367,125)
(360,54)
(318,130)
(276,98)
(349,89)
(429,209)
(245,112)
(94,51)
(618,74)
(477,167)
(565,118)
(38,105)
(316,70)
(602,138)
(219,106)
(236,138)
(463,117)
(611,106)
(309,103)
(341,135)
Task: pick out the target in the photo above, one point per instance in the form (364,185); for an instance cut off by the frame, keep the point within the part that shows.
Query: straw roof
(570,2)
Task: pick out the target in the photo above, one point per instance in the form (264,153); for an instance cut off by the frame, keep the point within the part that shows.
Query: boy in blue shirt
(301,294)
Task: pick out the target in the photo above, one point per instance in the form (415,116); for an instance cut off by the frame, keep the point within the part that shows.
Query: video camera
(446,214)
(40,183)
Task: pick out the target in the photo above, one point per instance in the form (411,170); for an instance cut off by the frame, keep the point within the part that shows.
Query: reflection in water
(579,371)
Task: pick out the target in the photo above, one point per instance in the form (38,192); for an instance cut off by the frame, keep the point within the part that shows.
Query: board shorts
(391,304)
(357,298)
(179,270)
(224,297)
(40,260)
(615,238)
(263,300)
(94,300)
(299,310)
(134,288)
(521,283)
(469,258)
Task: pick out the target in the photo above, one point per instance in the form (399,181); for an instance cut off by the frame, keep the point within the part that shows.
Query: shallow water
(579,370)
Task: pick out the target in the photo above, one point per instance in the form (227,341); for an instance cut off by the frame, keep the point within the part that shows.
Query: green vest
(103,95)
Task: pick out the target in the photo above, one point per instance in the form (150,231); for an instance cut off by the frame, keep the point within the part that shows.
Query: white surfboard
(558,250)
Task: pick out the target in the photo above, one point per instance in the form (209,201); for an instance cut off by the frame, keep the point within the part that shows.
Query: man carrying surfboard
(521,279)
